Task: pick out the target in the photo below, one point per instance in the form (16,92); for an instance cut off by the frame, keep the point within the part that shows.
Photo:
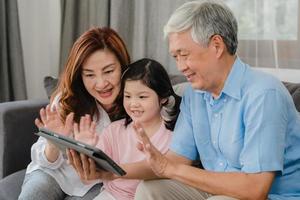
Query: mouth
(190,76)
(105,93)
(136,113)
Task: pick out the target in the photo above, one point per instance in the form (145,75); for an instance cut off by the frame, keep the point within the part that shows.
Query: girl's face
(141,103)
(101,76)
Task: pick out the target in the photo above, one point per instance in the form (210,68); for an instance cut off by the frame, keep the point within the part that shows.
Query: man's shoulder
(257,82)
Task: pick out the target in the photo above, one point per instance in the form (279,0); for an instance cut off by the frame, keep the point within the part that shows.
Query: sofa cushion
(294,89)
(10,186)
(180,87)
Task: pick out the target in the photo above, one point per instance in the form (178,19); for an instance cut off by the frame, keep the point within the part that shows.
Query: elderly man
(241,123)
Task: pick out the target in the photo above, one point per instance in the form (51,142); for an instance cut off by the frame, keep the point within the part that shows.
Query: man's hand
(86,131)
(157,161)
(86,167)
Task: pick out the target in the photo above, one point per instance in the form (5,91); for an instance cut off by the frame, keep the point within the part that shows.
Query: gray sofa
(16,137)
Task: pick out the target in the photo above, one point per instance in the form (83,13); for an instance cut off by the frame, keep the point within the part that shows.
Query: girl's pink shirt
(119,142)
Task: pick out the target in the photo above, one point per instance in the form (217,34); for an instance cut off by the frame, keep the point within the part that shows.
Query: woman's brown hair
(73,95)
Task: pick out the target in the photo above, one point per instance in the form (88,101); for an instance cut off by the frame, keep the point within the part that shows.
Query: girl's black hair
(154,76)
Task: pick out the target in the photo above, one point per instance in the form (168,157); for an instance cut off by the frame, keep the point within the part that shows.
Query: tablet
(102,160)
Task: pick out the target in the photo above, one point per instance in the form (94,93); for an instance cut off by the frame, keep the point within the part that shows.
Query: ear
(163,101)
(217,43)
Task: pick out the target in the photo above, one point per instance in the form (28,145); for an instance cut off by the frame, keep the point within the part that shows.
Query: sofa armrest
(16,133)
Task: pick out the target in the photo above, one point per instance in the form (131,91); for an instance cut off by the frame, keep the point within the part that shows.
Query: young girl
(149,99)
(90,84)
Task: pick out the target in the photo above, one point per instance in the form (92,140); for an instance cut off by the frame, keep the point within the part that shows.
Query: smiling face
(197,63)
(141,103)
(101,75)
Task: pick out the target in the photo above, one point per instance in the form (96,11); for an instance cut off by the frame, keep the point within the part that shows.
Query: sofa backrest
(179,83)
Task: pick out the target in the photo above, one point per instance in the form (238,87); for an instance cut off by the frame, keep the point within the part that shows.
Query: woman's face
(101,75)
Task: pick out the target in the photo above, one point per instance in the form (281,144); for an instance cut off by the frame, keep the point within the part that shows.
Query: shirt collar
(233,83)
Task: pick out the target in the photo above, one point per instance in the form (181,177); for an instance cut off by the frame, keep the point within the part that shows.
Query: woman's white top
(64,174)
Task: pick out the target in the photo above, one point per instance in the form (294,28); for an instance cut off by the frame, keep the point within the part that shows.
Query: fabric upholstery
(294,89)
(50,84)
(10,187)
(16,133)
(17,128)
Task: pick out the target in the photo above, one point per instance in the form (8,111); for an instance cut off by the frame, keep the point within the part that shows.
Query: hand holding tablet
(102,160)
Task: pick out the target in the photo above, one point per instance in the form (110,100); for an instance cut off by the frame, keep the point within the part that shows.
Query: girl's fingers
(93,169)
(93,127)
(70,158)
(96,139)
(85,165)
(77,163)
(87,124)
(81,123)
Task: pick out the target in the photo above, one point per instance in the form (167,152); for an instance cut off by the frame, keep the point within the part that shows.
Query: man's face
(197,63)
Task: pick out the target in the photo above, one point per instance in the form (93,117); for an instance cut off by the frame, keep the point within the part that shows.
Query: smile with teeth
(105,93)
(189,76)
(136,113)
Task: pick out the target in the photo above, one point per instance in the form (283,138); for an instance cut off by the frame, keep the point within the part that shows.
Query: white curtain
(268,33)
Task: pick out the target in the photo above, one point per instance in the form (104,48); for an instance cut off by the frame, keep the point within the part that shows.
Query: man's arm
(235,184)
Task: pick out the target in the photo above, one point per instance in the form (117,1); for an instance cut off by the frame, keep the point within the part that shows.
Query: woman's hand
(157,161)
(86,167)
(86,131)
(51,120)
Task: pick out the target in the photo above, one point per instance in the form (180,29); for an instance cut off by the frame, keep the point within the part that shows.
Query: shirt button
(224,100)
(215,115)
(221,164)
(214,141)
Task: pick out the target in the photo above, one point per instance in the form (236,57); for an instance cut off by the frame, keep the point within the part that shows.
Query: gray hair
(205,19)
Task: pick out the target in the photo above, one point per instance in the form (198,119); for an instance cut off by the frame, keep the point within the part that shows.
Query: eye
(126,96)
(109,71)
(184,56)
(88,75)
(143,97)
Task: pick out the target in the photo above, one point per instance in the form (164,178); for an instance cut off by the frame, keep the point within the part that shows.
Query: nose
(101,83)
(181,64)
(134,103)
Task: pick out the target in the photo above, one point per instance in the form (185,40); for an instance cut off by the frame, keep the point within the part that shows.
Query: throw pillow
(50,84)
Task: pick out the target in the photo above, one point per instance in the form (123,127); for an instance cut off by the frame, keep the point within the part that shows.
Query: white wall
(40,34)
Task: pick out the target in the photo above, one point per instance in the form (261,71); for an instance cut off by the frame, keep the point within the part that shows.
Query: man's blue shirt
(253,126)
